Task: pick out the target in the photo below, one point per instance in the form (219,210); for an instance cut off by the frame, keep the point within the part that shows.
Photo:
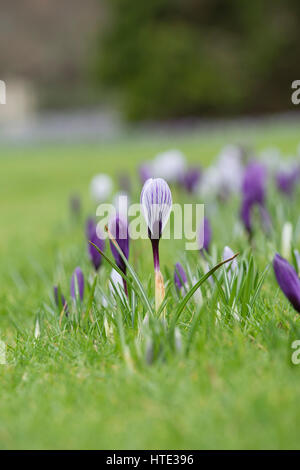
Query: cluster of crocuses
(156,202)
(173,168)
(232,173)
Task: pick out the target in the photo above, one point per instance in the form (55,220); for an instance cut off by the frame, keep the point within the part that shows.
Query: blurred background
(75,68)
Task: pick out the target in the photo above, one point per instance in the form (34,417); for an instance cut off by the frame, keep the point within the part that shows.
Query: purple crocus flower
(288,280)
(180,278)
(156,202)
(190,179)
(285,181)
(254,183)
(77,278)
(253,193)
(205,235)
(91,233)
(118,228)
(60,301)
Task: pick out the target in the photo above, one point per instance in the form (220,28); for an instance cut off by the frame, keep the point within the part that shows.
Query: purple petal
(180,278)
(288,280)
(77,275)
(205,235)
(118,227)
(254,183)
(91,232)
(190,179)
(245,214)
(285,181)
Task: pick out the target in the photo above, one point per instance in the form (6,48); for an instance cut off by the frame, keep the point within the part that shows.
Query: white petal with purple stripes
(156,201)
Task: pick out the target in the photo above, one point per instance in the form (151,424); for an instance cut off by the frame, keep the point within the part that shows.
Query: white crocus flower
(233,265)
(286,240)
(169,165)
(101,187)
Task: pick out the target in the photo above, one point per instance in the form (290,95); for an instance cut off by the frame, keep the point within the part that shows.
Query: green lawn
(71,387)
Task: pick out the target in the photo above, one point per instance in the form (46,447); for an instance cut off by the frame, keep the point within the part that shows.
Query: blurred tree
(171,58)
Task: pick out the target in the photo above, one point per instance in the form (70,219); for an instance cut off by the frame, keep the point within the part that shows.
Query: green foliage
(166,58)
(106,378)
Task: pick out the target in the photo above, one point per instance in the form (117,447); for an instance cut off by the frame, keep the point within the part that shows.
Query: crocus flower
(190,179)
(156,202)
(286,239)
(77,278)
(169,165)
(91,233)
(233,266)
(205,234)
(287,178)
(60,300)
(253,194)
(224,176)
(180,278)
(288,280)
(101,188)
(115,280)
(118,228)
(254,183)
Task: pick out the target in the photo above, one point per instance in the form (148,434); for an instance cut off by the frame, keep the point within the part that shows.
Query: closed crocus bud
(91,233)
(115,282)
(245,214)
(169,165)
(156,202)
(77,281)
(118,228)
(254,183)
(60,300)
(233,265)
(205,234)
(230,169)
(180,278)
(253,194)
(101,188)
(288,280)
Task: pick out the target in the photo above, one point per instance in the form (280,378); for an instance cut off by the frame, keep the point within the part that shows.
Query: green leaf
(192,291)
(139,288)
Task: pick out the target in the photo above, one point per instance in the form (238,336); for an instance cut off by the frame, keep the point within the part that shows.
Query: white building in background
(19,99)
(2,92)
